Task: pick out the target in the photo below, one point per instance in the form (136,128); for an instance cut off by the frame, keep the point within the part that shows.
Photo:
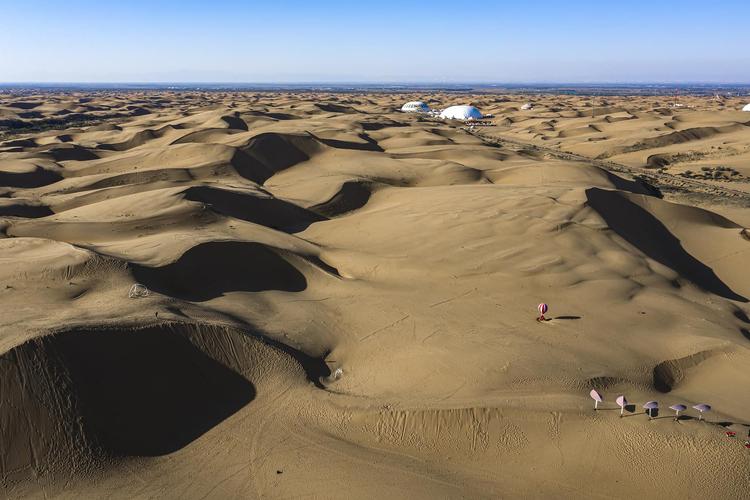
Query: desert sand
(342,297)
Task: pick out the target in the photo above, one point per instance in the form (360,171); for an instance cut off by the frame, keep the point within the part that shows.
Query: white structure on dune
(746,108)
(461,113)
(527,106)
(415,107)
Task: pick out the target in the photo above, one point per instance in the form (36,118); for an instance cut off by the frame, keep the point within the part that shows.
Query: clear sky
(374,41)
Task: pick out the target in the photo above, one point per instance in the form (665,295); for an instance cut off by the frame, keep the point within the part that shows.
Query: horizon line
(380,83)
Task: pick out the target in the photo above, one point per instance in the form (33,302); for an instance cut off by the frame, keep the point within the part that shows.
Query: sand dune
(342,297)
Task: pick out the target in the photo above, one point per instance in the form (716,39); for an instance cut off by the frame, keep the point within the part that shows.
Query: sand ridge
(284,236)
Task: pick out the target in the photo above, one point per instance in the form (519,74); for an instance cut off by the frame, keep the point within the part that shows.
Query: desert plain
(335,299)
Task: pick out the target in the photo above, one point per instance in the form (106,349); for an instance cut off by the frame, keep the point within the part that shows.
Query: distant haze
(383,41)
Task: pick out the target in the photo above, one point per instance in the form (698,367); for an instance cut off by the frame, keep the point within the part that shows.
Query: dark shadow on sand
(146,392)
(353,195)
(266,211)
(644,231)
(212,269)
(27,211)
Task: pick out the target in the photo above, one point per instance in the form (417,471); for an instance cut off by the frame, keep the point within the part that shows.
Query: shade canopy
(702,407)
(621,401)
(461,113)
(678,407)
(596,396)
(651,405)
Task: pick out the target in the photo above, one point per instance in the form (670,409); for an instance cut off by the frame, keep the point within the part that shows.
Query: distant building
(415,107)
(461,113)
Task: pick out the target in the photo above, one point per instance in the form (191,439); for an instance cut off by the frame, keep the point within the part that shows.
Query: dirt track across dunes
(338,300)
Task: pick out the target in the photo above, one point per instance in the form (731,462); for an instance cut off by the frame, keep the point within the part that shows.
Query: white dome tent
(746,108)
(461,113)
(415,107)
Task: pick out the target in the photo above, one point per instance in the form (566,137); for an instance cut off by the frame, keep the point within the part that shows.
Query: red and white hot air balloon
(542,308)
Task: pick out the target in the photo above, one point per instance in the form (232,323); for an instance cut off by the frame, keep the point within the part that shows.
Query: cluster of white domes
(464,113)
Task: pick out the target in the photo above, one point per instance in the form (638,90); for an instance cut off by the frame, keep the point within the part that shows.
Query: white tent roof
(415,107)
(461,113)
(746,108)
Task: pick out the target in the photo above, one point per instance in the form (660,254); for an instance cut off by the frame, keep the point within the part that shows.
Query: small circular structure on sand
(461,113)
(415,107)
(138,290)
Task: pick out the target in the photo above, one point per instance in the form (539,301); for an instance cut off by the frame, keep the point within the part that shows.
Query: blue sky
(374,41)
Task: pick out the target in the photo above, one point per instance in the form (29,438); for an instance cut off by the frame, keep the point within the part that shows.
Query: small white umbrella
(677,409)
(622,402)
(650,407)
(703,408)
(596,397)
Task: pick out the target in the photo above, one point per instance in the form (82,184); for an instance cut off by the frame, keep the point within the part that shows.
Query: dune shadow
(27,211)
(146,392)
(38,178)
(375,126)
(741,315)
(668,374)
(269,153)
(644,231)
(638,186)
(266,211)
(235,122)
(315,368)
(335,108)
(353,195)
(70,152)
(370,144)
(209,270)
